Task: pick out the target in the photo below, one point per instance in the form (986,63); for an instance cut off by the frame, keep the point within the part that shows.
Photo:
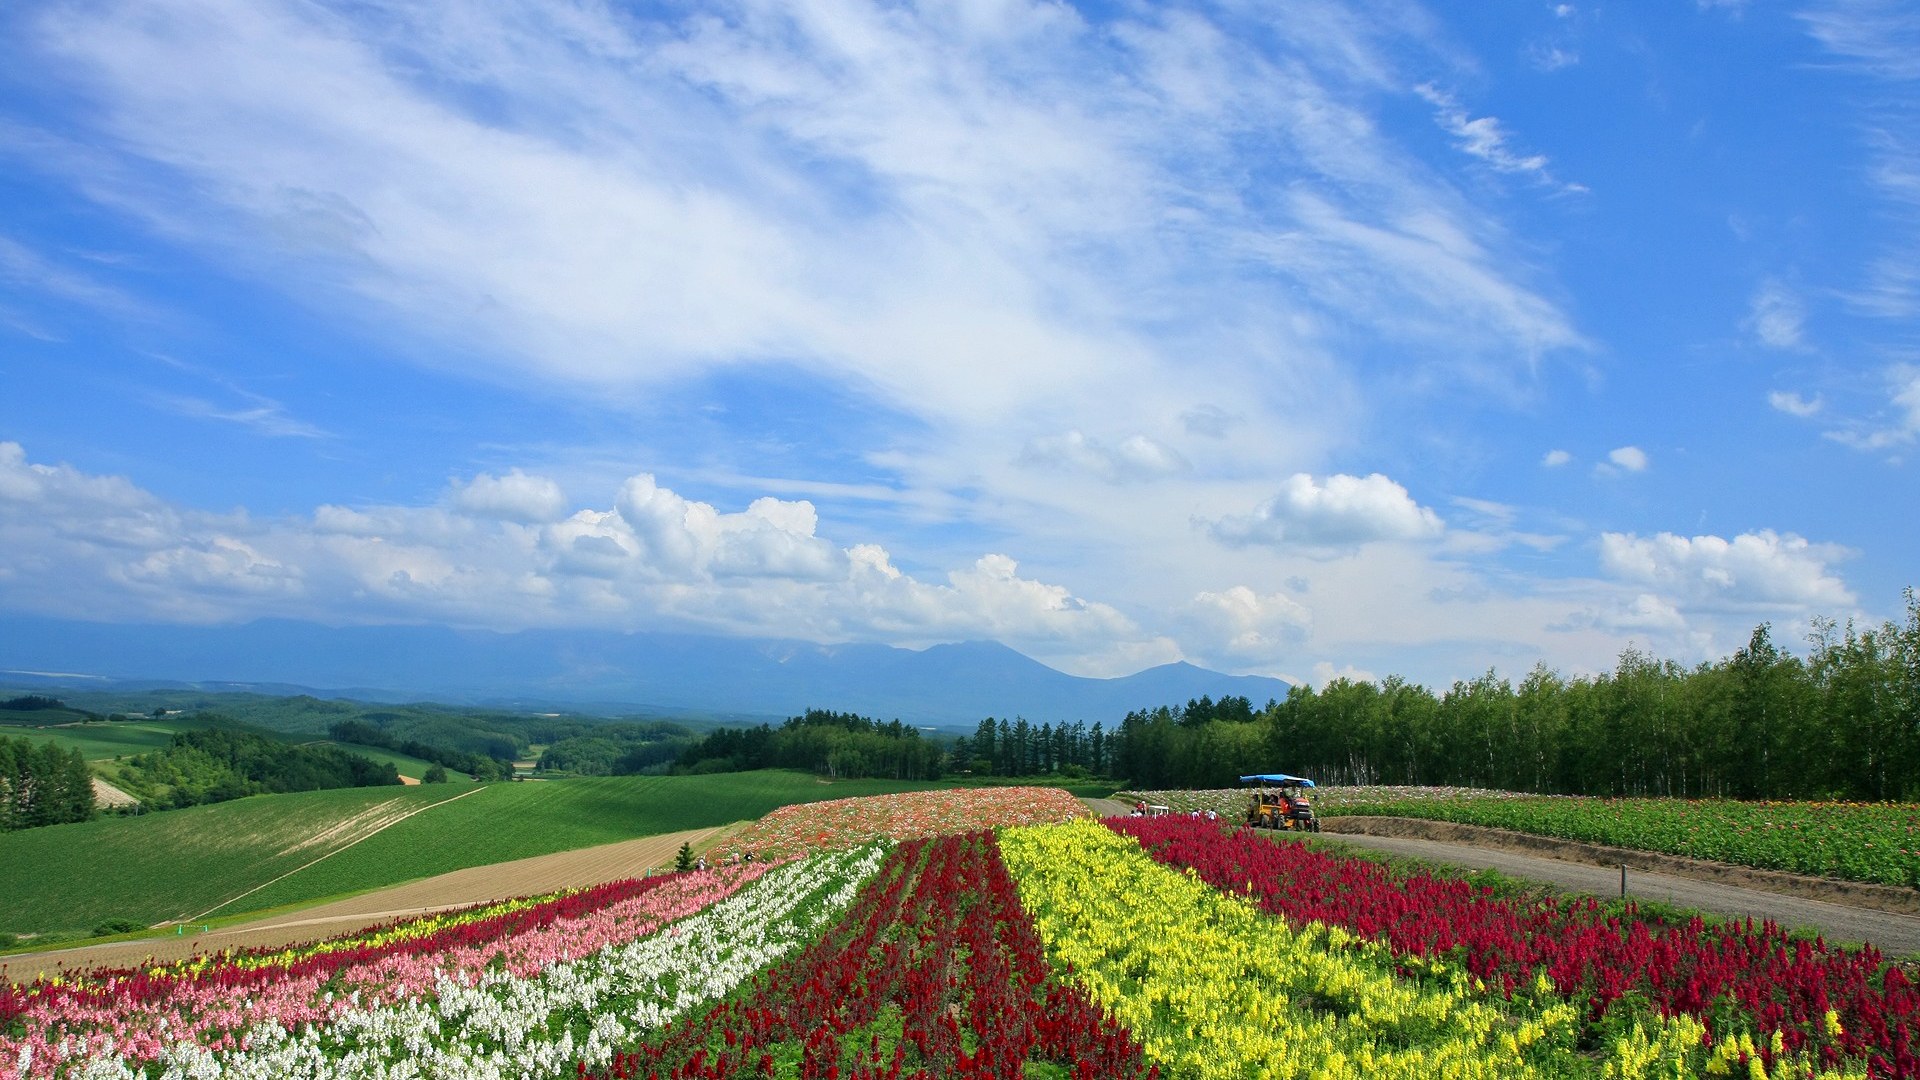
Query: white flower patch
(508,1028)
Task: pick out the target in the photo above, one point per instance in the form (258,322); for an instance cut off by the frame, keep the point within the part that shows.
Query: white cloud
(978,220)
(1248,625)
(1896,426)
(261,415)
(1342,512)
(1752,569)
(1484,137)
(1628,459)
(513,497)
(86,546)
(1324,672)
(1134,458)
(1777,317)
(1553,459)
(1791,403)
(1546,56)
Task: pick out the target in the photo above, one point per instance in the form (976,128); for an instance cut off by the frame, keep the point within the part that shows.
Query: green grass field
(183,862)
(103,740)
(408,766)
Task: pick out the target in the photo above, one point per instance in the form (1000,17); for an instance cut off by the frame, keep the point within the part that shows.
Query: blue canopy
(1276,778)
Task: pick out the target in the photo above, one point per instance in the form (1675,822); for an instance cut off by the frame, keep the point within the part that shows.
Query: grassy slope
(173,864)
(105,740)
(515,821)
(182,862)
(408,766)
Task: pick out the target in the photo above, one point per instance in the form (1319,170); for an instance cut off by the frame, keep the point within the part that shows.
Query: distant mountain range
(944,686)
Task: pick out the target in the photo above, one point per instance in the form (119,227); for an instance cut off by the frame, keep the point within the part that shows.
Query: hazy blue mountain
(948,685)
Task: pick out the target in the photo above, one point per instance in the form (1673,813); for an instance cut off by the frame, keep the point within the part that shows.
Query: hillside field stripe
(331,854)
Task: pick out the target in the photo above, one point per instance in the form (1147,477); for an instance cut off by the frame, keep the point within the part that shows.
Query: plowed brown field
(461,888)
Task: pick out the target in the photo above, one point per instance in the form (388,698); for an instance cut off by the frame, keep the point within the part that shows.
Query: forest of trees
(42,784)
(611,748)
(835,744)
(1763,723)
(478,766)
(217,763)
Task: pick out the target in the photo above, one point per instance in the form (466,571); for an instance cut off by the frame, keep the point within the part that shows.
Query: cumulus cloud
(1791,403)
(1623,459)
(1343,512)
(1251,625)
(1752,569)
(513,497)
(81,545)
(1134,458)
(1553,459)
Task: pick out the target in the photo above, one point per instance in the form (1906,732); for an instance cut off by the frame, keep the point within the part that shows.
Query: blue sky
(1299,339)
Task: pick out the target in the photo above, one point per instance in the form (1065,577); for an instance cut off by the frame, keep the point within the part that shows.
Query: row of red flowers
(1838,1004)
(935,971)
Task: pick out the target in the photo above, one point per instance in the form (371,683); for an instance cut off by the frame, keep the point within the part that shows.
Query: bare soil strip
(106,794)
(461,888)
(1851,893)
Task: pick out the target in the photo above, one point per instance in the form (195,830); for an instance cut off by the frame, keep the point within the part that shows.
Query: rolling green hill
(181,863)
(102,740)
(409,766)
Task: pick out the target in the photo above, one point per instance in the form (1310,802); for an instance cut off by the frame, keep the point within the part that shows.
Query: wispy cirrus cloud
(970,217)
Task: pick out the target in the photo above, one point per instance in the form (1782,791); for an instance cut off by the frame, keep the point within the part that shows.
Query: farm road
(461,888)
(1895,935)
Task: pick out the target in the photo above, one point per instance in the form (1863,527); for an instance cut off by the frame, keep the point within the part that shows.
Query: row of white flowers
(506,1028)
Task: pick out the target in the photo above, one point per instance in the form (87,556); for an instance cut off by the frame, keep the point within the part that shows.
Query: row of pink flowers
(139,1014)
(845,823)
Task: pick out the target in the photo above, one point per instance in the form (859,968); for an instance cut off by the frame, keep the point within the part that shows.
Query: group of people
(1142,809)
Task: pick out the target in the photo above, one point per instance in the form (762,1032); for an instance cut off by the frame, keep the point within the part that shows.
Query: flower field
(1872,842)
(794,830)
(997,934)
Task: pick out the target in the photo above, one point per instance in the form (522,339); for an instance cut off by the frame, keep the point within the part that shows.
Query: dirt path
(461,888)
(106,794)
(1894,934)
(1107,807)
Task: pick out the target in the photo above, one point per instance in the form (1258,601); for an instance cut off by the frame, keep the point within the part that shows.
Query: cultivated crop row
(1872,842)
(1065,949)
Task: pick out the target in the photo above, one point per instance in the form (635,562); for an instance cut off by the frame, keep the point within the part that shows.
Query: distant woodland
(834,744)
(42,784)
(1843,723)
(221,762)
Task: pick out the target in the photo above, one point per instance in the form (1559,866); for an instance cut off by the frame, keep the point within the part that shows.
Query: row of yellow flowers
(1213,988)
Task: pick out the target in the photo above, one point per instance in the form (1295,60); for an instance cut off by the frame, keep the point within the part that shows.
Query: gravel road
(1895,935)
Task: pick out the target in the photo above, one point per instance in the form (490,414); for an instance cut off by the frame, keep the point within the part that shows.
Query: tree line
(218,763)
(478,766)
(1842,723)
(42,784)
(834,744)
